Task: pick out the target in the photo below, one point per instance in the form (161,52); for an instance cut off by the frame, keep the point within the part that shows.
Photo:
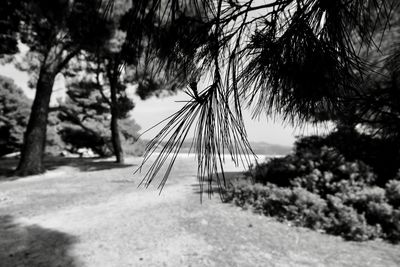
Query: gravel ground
(74,216)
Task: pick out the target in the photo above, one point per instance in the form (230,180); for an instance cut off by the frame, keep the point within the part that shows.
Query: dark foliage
(9,22)
(381,153)
(77,138)
(14,113)
(299,59)
(85,114)
(315,166)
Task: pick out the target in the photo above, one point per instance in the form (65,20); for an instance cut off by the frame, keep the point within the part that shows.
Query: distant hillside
(270,149)
(262,148)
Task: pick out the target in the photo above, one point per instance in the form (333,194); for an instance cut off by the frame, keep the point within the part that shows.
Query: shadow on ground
(206,190)
(84,164)
(7,166)
(33,246)
(214,189)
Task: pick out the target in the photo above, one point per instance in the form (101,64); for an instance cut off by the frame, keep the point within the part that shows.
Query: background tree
(55,31)
(117,63)
(14,112)
(88,109)
(110,64)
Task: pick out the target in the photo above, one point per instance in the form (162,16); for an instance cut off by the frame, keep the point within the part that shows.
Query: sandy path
(100,218)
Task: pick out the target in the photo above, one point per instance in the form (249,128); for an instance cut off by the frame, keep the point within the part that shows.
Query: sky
(150,112)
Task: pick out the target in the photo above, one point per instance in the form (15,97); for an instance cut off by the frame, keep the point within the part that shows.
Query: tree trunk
(115,134)
(32,152)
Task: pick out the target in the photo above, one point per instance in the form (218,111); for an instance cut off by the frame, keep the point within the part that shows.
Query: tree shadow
(7,166)
(206,190)
(84,164)
(214,189)
(33,246)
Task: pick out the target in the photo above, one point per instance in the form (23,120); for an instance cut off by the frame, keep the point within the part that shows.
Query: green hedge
(317,187)
(361,215)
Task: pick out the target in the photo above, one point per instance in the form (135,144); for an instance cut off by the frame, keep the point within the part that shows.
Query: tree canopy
(300,59)
(9,22)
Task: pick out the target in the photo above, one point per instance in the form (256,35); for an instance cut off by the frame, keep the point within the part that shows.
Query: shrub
(306,209)
(360,199)
(275,202)
(382,154)
(279,171)
(361,216)
(77,138)
(317,187)
(393,192)
(323,172)
(298,205)
(373,204)
(14,114)
(379,213)
(309,209)
(393,231)
(346,222)
(240,193)
(309,144)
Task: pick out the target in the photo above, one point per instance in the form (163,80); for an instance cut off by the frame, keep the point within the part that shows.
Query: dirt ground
(91,213)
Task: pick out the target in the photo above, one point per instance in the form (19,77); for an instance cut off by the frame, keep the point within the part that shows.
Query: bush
(14,114)
(297,205)
(347,222)
(78,138)
(309,209)
(360,199)
(393,233)
(279,171)
(309,144)
(374,204)
(275,202)
(317,187)
(243,193)
(322,171)
(382,154)
(306,209)
(393,192)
